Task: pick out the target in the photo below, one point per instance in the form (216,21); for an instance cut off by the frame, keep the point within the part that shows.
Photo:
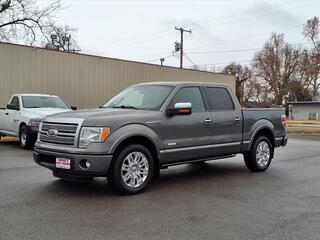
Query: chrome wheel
(23,138)
(263,154)
(135,169)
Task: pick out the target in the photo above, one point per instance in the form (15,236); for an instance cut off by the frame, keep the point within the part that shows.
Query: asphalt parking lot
(215,200)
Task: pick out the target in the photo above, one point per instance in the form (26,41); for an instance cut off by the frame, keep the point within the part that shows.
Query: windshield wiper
(34,107)
(125,107)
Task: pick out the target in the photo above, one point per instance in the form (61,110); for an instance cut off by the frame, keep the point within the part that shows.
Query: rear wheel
(132,170)
(26,138)
(260,156)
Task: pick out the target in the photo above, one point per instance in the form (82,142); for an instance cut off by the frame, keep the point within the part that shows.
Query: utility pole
(181,43)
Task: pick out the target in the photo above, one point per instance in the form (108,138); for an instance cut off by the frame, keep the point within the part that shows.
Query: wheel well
(144,141)
(267,133)
(21,125)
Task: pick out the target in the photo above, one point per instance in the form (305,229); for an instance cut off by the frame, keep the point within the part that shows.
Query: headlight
(93,135)
(34,122)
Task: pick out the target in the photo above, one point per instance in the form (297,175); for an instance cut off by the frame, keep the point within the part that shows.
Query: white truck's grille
(58,133)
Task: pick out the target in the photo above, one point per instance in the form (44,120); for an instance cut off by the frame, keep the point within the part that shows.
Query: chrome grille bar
(64,133)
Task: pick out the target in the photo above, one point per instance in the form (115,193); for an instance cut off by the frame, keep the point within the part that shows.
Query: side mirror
(12,107)
(74,108)
(180,109)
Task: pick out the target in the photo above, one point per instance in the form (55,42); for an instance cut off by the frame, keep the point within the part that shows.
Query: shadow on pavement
(183,176)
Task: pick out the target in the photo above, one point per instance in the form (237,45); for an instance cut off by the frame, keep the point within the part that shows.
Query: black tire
(251,159)
(27,140)
(115,175)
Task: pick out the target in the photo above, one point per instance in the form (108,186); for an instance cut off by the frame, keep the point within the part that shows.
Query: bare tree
(297,92)
(23,20)
(254,91)
(311,31)
(242,75)
(310,70)
(276,64)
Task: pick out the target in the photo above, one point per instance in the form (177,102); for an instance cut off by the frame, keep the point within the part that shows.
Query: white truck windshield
(43,102)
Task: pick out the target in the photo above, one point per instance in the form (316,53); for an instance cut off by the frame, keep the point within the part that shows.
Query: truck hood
(43,112)
(99,116)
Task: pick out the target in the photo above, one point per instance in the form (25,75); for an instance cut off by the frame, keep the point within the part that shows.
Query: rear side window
(191,95)
(219,98)
(15,101)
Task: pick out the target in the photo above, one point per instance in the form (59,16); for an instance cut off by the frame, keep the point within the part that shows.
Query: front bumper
(99,163)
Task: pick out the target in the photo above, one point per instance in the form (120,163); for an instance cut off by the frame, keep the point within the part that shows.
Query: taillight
(284,121)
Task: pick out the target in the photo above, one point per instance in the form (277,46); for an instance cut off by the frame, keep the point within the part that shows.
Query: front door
(187,137)
(11,123)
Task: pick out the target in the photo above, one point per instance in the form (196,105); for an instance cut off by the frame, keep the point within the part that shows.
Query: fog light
(84,164)
(88,164)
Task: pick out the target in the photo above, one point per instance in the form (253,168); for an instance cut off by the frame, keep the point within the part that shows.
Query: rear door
(226,121)
(188,137)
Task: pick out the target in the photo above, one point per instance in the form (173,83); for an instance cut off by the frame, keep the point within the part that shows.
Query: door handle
(207,120)
(237,118)
(6,113)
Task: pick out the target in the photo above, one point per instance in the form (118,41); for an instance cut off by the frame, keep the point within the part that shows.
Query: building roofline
(110,58)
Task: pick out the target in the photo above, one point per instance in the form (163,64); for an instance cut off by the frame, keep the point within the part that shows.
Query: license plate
(63,163)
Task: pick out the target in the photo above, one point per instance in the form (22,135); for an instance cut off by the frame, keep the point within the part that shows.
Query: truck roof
(175,84)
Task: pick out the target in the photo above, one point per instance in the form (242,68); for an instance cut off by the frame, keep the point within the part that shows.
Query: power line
(242,50)
(158,59)
(236,16)
(226,51)
(222,63)
(265,13)
(189,59)
(137,38)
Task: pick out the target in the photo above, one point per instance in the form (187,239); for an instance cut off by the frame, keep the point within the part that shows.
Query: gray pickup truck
(151,126)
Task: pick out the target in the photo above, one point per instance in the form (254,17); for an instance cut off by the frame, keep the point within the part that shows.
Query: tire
(26,138)
(258,159)
(132,170)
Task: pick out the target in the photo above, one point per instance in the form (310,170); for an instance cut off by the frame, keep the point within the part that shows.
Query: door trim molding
(199,147)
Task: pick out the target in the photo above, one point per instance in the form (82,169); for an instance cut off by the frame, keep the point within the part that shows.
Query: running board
(165,166)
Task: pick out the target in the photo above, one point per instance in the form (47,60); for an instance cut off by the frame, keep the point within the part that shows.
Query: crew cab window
(219,99)
(191,95)
(15,101)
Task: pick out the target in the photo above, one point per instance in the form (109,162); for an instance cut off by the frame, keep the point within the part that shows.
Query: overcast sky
(144,30)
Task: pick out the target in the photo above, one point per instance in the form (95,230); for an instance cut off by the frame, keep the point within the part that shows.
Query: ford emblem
(52,132)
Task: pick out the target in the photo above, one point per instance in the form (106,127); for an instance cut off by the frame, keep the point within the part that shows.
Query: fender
(255,129)
(132,130)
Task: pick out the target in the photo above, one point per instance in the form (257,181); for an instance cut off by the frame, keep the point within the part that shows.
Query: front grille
(65,133)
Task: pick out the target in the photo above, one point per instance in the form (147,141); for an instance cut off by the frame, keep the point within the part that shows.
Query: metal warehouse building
(83,80)
(304,110)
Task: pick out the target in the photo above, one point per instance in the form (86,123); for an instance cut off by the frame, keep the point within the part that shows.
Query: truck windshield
(43,102)
(146,97)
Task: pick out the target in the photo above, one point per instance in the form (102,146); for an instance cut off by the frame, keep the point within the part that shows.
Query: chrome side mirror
(180,109)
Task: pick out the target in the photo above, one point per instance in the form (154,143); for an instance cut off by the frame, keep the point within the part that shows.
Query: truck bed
(252,116)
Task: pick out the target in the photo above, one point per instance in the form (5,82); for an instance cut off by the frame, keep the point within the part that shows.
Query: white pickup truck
(22,115)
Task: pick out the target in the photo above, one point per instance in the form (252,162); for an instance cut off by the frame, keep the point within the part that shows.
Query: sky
(222,31)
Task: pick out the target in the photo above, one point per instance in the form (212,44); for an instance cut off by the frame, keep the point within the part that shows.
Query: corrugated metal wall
(302,111)
(82,80)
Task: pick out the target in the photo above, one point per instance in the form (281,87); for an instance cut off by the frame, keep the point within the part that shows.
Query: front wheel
(258,159)
(26,138)
(132,170)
